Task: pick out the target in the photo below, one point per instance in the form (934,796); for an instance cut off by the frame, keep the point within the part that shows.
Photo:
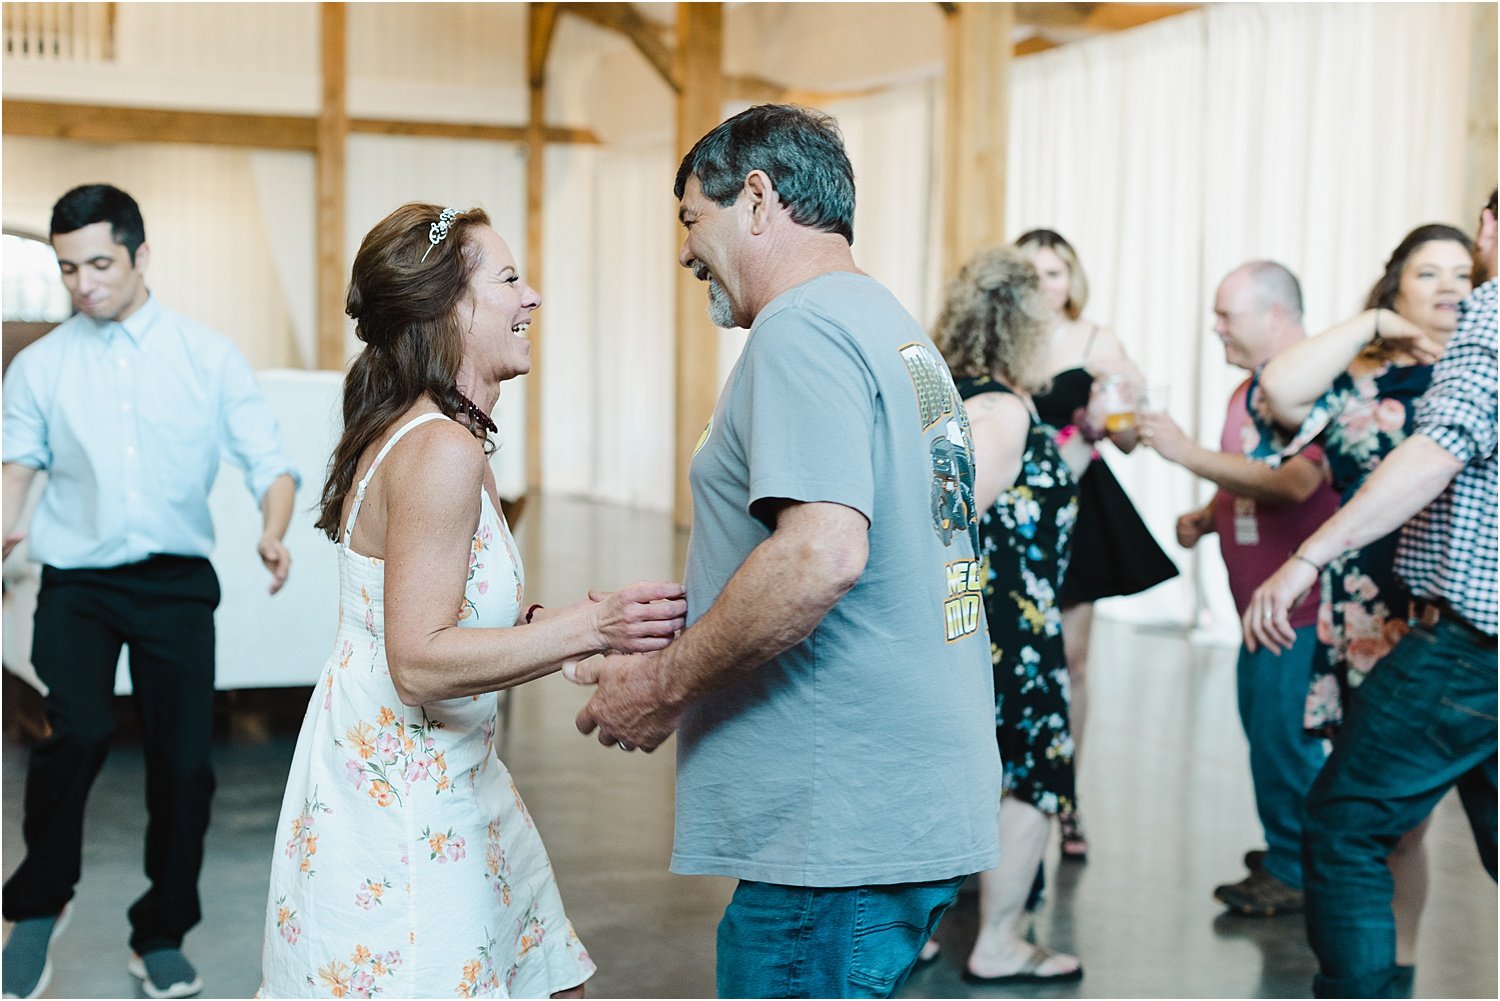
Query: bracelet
(1295,555)
(530,612)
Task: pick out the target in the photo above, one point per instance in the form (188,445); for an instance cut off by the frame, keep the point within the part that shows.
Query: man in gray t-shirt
(833,694)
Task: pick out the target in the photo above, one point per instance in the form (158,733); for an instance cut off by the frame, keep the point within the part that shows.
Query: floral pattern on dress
(287,925)
(480,546)
(393,751)
(359,977)
(386,799)
(1024,544)
(479,975)
(1362,607)
(303,843)
(496,866)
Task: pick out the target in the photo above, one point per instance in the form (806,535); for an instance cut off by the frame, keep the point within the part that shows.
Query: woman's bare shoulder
(436,455)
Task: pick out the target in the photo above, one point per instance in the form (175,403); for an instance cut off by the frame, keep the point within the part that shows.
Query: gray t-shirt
(865,754)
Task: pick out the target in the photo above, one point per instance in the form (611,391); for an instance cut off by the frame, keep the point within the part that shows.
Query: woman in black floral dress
(993,333)
(1354,390)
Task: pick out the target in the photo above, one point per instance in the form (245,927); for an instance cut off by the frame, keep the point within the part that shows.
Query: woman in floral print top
(993,333)
(1356,396)
(1354,389)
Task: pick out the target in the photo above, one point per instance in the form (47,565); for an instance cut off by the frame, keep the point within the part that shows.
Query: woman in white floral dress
(406,864)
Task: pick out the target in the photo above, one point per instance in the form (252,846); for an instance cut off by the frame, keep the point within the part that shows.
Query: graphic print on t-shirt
(952,455)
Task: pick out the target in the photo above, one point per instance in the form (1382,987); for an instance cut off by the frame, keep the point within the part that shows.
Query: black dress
(1114,552)
(1024,540)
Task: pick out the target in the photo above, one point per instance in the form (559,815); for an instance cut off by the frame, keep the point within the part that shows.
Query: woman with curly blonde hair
(993,332)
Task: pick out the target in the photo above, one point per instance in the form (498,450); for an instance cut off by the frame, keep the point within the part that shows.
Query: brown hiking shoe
(1260,895)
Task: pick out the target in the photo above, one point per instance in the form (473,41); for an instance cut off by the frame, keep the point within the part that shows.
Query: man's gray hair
(1275,285)
(800,149)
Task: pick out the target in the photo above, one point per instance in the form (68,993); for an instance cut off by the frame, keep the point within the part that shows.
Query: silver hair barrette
(439,231)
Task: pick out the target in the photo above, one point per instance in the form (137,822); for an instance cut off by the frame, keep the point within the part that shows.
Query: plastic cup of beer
(1155,398)
(1118,396)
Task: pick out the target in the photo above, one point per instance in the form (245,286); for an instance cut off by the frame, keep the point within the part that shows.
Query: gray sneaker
(165,973)
(27,967)
(1260,895)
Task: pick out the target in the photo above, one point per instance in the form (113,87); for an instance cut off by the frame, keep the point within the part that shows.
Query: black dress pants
(162,608)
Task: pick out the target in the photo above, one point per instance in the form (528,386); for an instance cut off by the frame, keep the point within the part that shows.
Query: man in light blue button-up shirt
(127,407)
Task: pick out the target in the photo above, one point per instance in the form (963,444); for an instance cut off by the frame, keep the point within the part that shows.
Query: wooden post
(1480,162)
(332,136)
(541,20)
(698,65)
(978,117)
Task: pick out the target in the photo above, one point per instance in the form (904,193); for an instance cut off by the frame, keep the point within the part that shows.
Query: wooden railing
(60,32)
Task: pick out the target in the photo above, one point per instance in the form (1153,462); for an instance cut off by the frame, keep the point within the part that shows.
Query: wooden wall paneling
(700,106)
(978,84)
(332,142)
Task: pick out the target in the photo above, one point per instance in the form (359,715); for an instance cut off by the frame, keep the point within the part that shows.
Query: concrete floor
(1164,789)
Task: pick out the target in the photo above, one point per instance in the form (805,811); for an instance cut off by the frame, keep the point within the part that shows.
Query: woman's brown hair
(405,310)
(1383,293)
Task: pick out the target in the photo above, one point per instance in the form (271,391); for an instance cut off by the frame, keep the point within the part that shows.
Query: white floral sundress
(405,862)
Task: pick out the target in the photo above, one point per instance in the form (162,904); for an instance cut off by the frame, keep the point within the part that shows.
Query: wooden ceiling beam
(463,130)
(1107,17)
(1035,43)
(1096,18)
(1056,15)
(541,26)
(108,124)
(644,34)
(104,123)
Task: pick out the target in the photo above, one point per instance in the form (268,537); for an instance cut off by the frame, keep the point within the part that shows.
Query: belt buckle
(1424,613)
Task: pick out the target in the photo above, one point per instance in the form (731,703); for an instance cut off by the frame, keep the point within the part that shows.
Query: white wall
(212,250)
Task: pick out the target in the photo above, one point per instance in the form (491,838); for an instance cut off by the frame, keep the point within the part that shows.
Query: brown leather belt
(1425,613)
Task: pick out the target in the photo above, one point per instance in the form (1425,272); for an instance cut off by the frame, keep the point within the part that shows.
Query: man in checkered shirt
(1424,721)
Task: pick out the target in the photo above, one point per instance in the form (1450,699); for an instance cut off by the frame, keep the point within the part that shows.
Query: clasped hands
(632,706)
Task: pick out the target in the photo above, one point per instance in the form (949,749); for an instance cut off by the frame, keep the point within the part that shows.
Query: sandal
(1075,847)
(1029,971)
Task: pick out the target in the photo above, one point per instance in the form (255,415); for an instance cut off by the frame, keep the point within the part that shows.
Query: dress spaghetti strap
(359,494)
(1088,348)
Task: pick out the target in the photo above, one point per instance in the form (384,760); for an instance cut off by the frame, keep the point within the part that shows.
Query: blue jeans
(1284,760)
(1423,722)
(826,942)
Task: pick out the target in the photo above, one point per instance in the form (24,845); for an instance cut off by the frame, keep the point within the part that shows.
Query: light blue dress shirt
(128,421)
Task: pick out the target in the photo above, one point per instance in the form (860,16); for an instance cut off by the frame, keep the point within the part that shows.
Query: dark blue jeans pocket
(891,923)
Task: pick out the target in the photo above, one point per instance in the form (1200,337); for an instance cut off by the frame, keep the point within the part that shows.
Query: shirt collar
(138,323)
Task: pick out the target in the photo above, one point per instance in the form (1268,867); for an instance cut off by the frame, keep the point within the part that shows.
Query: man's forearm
(773,602)
(15,483)
(1405,482)
(1285,484)
(276,506)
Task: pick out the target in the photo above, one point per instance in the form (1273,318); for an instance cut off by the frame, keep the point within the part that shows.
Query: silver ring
(622,745)
(1266,616)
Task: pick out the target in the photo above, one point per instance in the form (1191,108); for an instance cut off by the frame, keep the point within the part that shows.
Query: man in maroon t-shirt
(1261,514)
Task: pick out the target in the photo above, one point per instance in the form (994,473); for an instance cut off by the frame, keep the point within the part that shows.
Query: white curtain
(1316,135)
